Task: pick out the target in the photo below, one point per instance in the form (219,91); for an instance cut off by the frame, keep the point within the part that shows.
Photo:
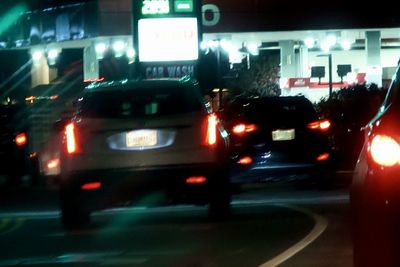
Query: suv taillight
(21,139)
(71,138)
(320,125)
(384,150)
(243,128)
(211,136)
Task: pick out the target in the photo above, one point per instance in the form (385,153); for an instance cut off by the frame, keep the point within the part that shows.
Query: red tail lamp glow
(241,129)
(196,180)
(70,132)
(323,157)
(53,164)
(385,151)
(212,130)
(245,160)
(321,125)
(21,139)
(91,186)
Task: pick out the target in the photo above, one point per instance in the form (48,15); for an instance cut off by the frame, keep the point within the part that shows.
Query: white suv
(130,138)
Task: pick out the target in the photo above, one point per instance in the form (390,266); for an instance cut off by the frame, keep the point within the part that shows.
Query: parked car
(130,138)
(15,159)
(275,138)
(375,189)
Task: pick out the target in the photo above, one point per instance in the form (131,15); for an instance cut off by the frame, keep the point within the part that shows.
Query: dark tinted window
(277,109)
(140,102)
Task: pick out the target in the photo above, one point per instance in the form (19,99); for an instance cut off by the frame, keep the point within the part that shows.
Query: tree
(261,79)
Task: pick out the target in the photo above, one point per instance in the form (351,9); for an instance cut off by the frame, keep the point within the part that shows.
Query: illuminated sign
(183,6)
(168,39)
(155,7)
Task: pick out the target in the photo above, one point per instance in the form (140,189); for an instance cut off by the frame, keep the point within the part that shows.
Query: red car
(375,190)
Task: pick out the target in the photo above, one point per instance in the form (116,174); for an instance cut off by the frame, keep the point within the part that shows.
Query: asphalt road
(270,226)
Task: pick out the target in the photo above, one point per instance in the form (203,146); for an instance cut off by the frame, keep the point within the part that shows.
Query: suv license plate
(142,138)
(283,135)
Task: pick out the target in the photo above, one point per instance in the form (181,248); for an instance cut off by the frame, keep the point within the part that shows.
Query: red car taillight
(71,138)
(242,129)
(21,139)
(211,136)
(384,150)
(320,125)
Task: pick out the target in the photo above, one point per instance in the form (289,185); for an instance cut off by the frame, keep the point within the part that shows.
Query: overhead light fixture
(253,49)
(331,40)
(52,56)
(309,42)
(346,45)
(119,48)
(100,49)
(131,53)
(325,46)
(37,56)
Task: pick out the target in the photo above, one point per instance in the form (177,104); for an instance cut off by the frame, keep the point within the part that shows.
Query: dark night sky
(289,14)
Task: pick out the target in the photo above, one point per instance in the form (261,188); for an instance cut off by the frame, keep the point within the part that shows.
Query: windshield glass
(139,103)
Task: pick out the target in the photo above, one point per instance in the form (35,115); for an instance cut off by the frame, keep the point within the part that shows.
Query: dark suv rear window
(140,102)
(276,109)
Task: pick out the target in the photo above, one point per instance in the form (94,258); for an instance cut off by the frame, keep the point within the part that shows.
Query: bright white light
(325,46)
(52,54)
(309,42)
(101,48)
(130,53)
(346,45)
(253,49)
(226,45)
(37,56)
(119,46)
(203,45)
(212,44)
(168,39)
(331,40)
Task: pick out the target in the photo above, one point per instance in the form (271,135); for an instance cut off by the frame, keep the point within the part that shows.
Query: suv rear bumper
(167,184)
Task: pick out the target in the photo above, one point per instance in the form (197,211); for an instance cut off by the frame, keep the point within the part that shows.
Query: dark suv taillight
(71,137)
(320,125)
(211,135)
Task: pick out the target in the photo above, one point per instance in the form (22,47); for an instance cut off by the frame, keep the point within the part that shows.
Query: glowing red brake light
(321,125)
(70,133)
(384,150)
(241,128)
(21,139)
(91,186)
(212,122)
(196,180)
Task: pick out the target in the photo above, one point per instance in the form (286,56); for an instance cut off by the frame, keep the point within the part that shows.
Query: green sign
(155,7)
(183,6)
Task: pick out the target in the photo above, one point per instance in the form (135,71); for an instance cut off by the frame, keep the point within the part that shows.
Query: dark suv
(277,138)
(130,138)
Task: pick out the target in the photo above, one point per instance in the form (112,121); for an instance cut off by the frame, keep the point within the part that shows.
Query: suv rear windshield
(277,109)
(140,102)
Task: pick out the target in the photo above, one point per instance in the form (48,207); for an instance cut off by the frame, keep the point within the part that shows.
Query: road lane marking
(102,258)
(55,214)
(321,224)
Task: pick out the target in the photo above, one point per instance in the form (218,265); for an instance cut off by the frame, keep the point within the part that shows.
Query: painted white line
(321,224)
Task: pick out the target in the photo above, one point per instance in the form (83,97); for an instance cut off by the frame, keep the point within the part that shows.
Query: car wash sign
(166,37)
